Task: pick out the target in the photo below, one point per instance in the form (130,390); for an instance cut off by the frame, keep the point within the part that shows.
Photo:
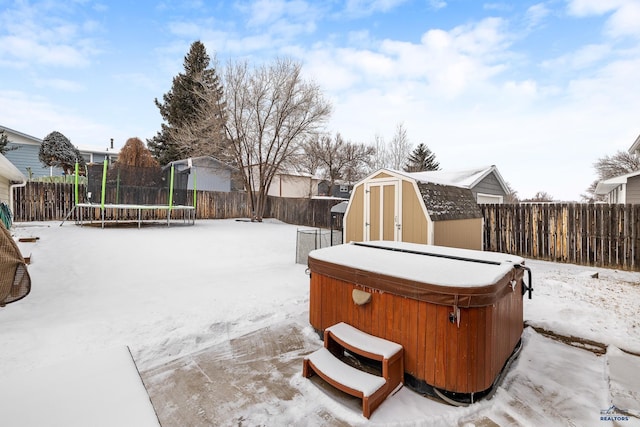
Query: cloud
(582,8)
(18,110)
(437,4)
(39,35)
(623,19)
(368,7)
(535,14)
(585,57)
(63,85)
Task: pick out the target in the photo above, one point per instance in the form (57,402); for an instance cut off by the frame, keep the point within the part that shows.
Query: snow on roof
(8,170)
(607,185)
(422,268)
(460,178)
(448,202)
(198,161)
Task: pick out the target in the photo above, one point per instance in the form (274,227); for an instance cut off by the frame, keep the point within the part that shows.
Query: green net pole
(171,188)
(195,181)
(118,187)
(76,185)
(104,184)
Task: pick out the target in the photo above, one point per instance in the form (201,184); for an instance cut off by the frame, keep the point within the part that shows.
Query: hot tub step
(372,389)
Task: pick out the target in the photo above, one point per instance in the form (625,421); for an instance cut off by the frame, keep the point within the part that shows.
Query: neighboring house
(620,189)
(289,184)
(25,157)
(635,147)
(485,183)
(294,185)
(623,188)
(10,177)
(389,205)
(206,173)
(340,189)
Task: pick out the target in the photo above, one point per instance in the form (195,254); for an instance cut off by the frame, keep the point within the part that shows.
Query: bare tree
(540,196)
(380,158)
(512,195)
(271,111)
(336,158)
(399,147)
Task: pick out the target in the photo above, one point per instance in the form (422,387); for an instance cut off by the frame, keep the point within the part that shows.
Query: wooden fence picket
(587,234)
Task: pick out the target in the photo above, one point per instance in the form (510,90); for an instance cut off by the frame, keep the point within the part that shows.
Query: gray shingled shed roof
(446,202)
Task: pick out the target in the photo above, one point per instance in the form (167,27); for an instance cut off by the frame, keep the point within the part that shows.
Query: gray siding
(209,176)
(633,190)
(211,180)
(25,157)
(489,185)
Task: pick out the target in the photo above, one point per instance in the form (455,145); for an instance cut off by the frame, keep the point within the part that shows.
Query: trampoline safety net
(135,185)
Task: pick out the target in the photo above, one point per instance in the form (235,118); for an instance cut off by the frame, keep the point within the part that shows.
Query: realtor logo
(613,414)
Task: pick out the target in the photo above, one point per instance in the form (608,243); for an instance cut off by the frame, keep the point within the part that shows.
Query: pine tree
(422,159)
(4,141)
(56,150)
(185,132)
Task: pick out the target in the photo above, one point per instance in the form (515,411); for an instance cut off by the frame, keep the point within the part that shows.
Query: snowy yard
(223,304)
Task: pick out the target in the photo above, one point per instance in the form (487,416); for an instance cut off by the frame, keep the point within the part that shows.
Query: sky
(541,89)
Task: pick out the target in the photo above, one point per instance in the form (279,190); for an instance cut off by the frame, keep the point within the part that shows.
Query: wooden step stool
(372,389)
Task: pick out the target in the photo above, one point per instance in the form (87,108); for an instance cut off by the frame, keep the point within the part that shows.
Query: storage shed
(391,205)
(205,173)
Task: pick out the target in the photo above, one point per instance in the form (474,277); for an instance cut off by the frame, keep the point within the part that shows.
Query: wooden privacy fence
(588,234)
(43,201)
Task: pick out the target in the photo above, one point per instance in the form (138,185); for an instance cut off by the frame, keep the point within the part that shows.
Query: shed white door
(382,210)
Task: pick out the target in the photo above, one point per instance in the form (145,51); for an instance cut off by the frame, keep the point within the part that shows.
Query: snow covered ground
(172,292)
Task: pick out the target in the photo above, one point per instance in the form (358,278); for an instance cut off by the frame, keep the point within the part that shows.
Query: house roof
(448,202)
(8,170)
(24,135)
(38,141)
(465,178)
(635,146)
(199,161)
(608,185)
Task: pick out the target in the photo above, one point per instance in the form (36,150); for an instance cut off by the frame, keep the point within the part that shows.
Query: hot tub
(457,312)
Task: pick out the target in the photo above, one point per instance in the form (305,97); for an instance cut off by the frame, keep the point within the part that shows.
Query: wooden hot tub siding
(464,359)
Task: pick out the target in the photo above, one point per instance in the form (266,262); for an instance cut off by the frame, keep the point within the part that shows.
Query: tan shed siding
(633,190)
(460,233)
(389,213)
(354,218)
(382,175)
(374,214)
(414,222)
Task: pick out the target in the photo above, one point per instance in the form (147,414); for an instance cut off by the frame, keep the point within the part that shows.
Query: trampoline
(122,195)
